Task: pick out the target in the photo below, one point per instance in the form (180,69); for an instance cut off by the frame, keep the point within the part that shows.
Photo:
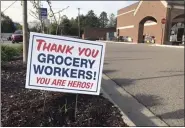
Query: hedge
(10,52)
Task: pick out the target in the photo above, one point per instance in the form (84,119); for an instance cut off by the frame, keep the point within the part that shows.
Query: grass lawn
(13,45)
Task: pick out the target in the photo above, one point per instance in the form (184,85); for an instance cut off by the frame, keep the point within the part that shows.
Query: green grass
(9,51)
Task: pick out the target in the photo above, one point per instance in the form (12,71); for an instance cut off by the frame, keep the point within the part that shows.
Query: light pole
(0,23)
(25,32)
(79,22)
(0,42)
(163,21)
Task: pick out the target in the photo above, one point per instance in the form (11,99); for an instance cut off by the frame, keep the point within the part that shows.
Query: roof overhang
(166,4)
(138,6)
(162,1)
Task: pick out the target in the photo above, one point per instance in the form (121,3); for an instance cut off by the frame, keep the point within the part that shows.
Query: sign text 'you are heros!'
(57,63)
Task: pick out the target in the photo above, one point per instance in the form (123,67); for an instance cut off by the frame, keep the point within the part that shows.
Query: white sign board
(57,63)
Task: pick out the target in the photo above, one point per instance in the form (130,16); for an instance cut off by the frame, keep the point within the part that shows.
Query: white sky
(15,11)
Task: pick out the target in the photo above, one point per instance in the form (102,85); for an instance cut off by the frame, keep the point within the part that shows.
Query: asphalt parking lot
(153,75)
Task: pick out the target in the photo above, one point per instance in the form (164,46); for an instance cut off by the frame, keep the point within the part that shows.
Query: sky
(15,11)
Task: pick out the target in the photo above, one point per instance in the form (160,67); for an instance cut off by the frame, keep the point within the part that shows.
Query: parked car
(128,39)
(17,36)
(125,39)
(91,38)
(9,38)
(149,39)
(183,40)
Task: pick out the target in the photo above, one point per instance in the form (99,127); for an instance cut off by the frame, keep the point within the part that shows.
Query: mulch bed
(25,107)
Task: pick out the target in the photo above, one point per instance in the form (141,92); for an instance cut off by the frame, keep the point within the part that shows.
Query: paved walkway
(134,113)
(152,75)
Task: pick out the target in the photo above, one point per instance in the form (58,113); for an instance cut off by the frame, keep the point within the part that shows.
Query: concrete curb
(125,118)
(123,43)
(169,46)
(112,42)
(134,113)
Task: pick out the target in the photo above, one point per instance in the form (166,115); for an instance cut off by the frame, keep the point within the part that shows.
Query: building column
(165,39)
(168,26)
(135,33)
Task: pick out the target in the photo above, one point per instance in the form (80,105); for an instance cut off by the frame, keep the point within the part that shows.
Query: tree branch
(33,14)
(49,3)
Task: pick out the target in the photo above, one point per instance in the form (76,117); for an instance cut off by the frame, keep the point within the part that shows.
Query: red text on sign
(44,46)
(88,52)
(58,82)
(78,84)
(41,80)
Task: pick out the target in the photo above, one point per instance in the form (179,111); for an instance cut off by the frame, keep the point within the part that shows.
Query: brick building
(96,33)
(144,17)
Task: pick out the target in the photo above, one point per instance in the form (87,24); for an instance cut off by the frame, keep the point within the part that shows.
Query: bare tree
(60,18)
(53,15)
(36,13)
(51,11)
(35,26)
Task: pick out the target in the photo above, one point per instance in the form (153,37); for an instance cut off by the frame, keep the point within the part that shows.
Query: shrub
(20,49)
(9,52)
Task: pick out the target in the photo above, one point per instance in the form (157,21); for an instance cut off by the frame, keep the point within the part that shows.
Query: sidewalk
(116,42)
(159,45)
(169,46)
(134,113)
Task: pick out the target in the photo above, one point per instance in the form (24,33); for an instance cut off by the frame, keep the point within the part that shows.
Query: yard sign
(57,63)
